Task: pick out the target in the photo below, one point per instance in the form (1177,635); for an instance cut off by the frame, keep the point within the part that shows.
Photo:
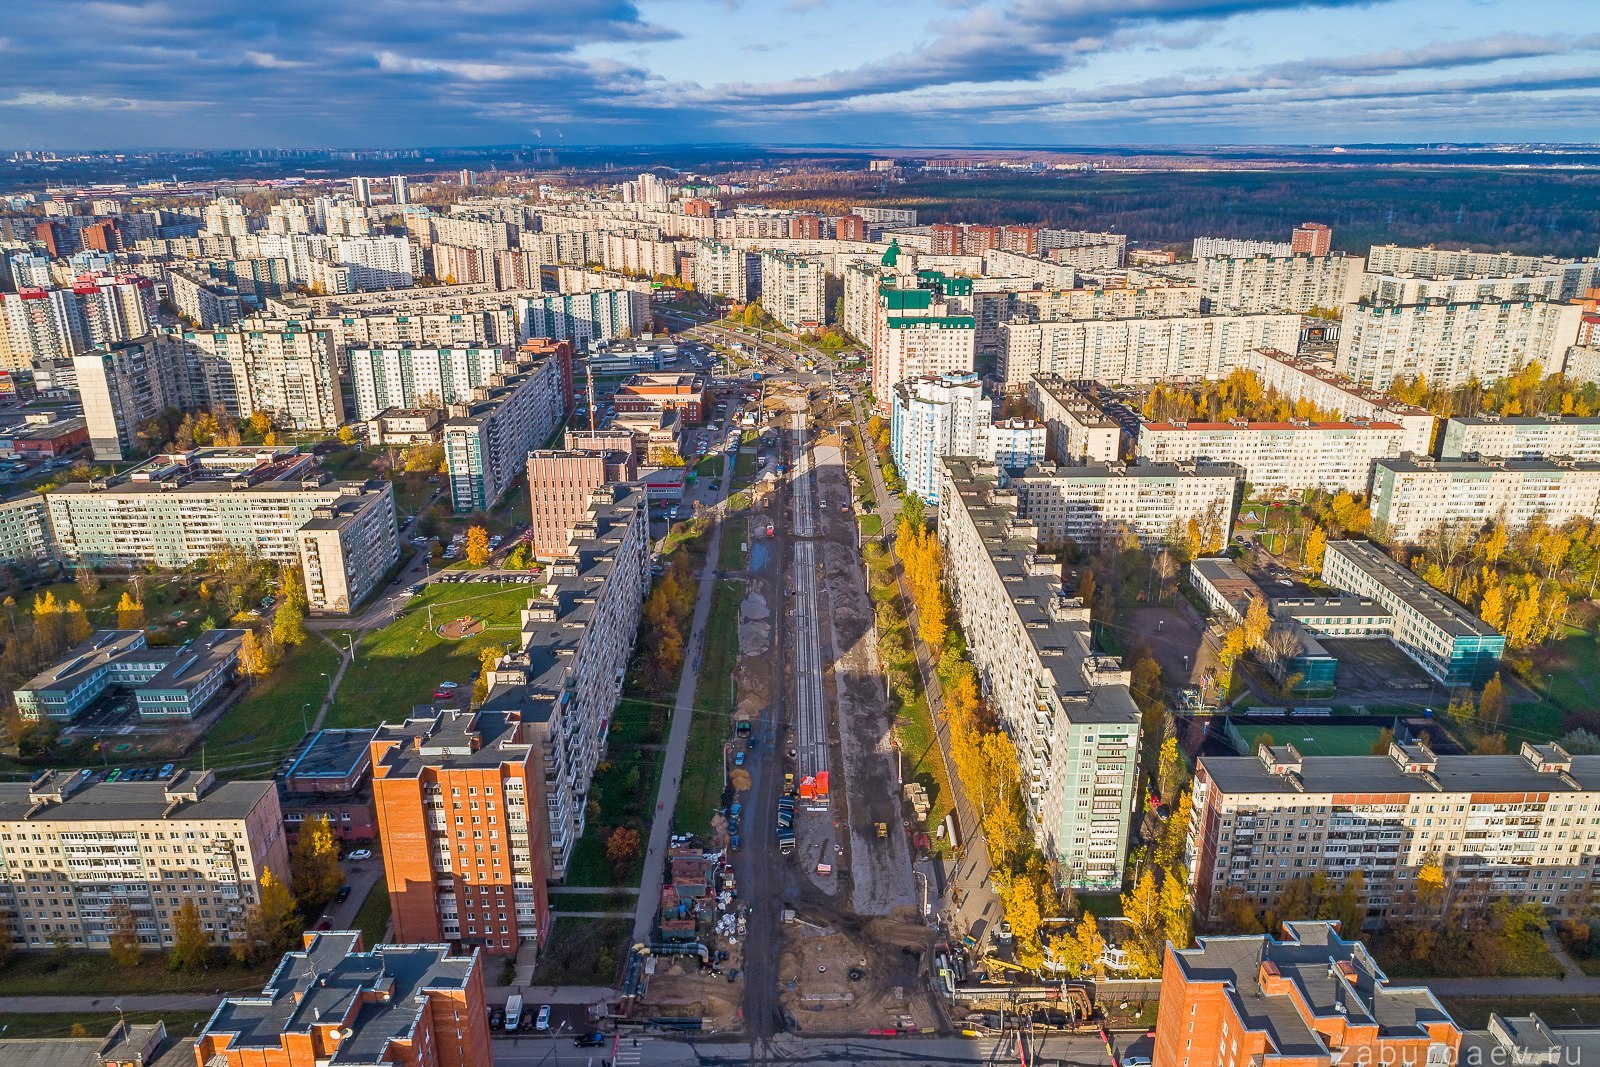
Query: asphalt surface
(1079,1050)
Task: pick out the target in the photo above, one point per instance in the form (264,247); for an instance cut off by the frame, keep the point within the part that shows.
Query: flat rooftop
(110,802)
(1447,614)
(1485,465)
(1354,775)
(89,658)
(333,754)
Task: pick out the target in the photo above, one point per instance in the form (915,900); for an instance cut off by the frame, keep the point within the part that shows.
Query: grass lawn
(1473,1012)
(45,974)
(624,787)
(584,952)
(871,525)
(267,722)
(734,534)
(1574,684)
(373,917)
(700,792)
(744,464)
(1314,740)
(399,665)
(710,467)
(98,1023)
(621,903)
(914,733)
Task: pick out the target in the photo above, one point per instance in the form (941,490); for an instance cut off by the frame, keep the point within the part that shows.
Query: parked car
(342,895)
(324,924)
(497,1018)
(593,1039)
(738,759)
(361,854)
(543,1022)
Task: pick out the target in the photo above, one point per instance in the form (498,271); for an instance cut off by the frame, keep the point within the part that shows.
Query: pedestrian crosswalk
(629,1051)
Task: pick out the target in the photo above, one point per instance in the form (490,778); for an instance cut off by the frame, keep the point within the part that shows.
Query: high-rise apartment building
(585,319)
(1522,437)
(286,370)
(921,330)
(1313,999)
(202,302)
(1494,826)
(459,798)
(1311,239)
(1412,496)
(933,416)
(1451,344)
(1066,707)
(724,270)
(1077,430)
(74,850)
(850,228)
(487,439)
(793,290)
(1296,379)
(406,377)
(1278,457)
(361,189)
(561,486)
(121,387)
(1234,247)
(1098,503)
(1297,283)
(335,1002)
(565,675)
(1185,347)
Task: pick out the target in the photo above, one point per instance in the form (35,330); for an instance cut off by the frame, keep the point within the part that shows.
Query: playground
(463,627)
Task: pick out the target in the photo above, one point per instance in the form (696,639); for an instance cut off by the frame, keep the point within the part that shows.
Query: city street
(1078,1050)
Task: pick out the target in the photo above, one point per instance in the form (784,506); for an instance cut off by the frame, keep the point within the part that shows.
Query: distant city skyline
(293,73)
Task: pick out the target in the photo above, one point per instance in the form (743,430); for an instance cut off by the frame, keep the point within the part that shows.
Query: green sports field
(1313,740)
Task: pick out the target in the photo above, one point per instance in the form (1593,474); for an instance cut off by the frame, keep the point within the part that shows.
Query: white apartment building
(1125,302)
(93,847)
(1577,276)
(1411,496)
(1237,248)
(934,416)
(290,216)
(1096,503)
(1077,431)
(396,377)
(999,263)
(1412,289)
(288,370)
(1014,444)
(585,319)
(375,262)
(121,387)
(1522,437)
(565,675)
(42,324)
(1500,826)
(172,518)
(724,270)
(921,331)
(793,290)
(203,302)
(1450,344)
(487,439)
(861,282)
(1066,707)
(1179,348)
(25,536)
(1296,378)
(1251,285)
(1278,458)
(225,217)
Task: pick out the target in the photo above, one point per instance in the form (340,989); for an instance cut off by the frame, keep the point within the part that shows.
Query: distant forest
(1519,211)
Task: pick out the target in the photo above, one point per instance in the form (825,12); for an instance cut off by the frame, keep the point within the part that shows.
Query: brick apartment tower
(850,228)
(559,487)
(459,798)
(1311,239)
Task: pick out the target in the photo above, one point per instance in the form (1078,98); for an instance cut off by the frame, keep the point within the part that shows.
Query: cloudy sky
(231,73)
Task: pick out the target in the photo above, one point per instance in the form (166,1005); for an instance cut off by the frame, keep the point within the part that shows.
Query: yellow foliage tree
(477,546)
(1316,548)
(130,612)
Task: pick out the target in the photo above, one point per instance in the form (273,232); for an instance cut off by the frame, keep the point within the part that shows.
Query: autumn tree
(126,950)
(1028,896)
(314,864)
(1172,771)
(78,628)
(191,948)
(477,546)
(1141,906)
(488,657)
(130,612)
(347,434)
(255,662)
(1316,548)
(288,624)
(1492,704)
(622,846)
(271,925)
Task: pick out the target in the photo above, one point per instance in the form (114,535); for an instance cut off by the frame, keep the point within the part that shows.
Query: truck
(513,1011)
(785,842)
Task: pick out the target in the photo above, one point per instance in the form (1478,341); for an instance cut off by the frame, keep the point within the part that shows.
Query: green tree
(314,864)
(288,624)
(126,951)
(191,948)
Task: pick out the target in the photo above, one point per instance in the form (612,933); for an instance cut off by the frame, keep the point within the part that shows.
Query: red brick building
(665,391)
(1311,239)
(850,228)
(334,1002)
(1312,999)
(332,777)
(559,487)
(461,814)
(805,228)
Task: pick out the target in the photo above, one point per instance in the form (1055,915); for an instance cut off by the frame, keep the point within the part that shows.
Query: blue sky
(233,73)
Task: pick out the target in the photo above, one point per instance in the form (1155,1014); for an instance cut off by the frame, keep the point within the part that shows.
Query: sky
(372,73)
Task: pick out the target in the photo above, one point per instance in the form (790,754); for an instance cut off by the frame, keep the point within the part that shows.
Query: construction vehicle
(883,830)
(788,783)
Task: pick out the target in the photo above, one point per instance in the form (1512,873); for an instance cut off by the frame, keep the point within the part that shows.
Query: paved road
(1078,1050)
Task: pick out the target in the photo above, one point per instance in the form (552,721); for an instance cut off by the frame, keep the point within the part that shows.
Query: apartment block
(1311,999)
(921,331)
(203,302)
(335,1002)
(487,441)
(1096,503)
(152,846)
(1451,344)
(1278,458)
(1238,248)
(176,510)
(1013,444)
(1065,706)
(1258,284)
(585,319)
(561,485)
(1177,348)
(25,534)
(725,270)
(565,675)
(1077,430)
(1438,633)
(1577,276)
(286,370)
(793,290)
(459,799)
(122,387)
(169,682)
(1107,302)
(405,377)
(1311,239)
(1296,378)
(1410,289)
(1522,437)
(933,416)
(1411,496)
(1499,826)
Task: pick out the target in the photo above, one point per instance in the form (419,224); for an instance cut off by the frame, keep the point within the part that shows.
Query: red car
(324,924)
